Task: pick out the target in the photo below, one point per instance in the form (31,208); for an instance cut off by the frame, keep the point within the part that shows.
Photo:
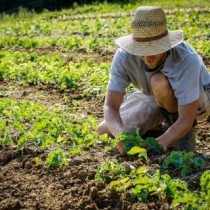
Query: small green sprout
(56,158)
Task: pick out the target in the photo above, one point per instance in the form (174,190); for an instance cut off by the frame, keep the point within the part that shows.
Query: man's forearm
(113,121)
(176,132)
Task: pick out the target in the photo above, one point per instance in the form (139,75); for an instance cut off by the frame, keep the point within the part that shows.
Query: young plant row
(94,34)
(135,145)
(31,68)
(29,123)
(74,43)
(145,185)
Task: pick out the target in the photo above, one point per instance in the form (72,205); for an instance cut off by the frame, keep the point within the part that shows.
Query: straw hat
(150,35)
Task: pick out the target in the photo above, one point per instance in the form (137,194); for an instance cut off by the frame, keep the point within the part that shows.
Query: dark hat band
(152,38)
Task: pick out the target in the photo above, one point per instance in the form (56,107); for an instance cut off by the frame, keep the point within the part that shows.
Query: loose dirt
(26,185)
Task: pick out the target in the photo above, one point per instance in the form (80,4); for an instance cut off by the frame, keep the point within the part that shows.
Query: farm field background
(54,69)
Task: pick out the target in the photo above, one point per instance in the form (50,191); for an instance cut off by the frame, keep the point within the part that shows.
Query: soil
(26,185)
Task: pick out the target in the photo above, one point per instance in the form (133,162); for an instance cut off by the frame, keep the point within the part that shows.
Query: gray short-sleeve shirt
(183,67)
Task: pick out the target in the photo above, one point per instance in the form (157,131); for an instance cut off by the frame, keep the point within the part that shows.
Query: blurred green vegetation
(90,6)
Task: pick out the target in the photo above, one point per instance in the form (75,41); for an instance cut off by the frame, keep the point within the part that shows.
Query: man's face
(154,61)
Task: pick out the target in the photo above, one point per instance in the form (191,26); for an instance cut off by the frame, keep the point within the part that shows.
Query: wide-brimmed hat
(150,35)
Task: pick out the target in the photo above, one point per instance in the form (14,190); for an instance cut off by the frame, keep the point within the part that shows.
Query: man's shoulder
(122,53)
(184,52)
(126,58)
(184,49)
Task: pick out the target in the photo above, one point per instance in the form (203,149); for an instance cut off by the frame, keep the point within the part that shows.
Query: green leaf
(198,162)
(143,180)
(186,162)
(140,151)
(189,200)
(56,158)
(120,185)
(142,170)
(176,159)
(143,195)
(130,139)
(205,181)
(153,144)
(141,192)
(136,150)
(186,169)
(75,151)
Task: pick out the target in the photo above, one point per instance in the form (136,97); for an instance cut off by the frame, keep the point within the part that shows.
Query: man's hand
(127,140)
(121,148)
(163,146)
(181,127)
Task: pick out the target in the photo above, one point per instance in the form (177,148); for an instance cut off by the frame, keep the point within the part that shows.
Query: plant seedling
(56,158)
(186,162)
(130,139)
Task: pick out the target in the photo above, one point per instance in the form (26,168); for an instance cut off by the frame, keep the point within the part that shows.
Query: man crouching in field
(171,80)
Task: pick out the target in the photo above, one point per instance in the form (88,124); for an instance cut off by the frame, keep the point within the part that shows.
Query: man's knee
(163,92)
(160,84)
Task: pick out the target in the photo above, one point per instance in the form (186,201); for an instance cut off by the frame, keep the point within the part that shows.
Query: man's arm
(112,117)
(181,127)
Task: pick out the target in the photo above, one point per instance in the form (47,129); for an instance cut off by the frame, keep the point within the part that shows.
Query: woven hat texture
(150,35)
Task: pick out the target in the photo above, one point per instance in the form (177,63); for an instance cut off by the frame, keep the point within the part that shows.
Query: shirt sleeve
(119,79)
(186,79)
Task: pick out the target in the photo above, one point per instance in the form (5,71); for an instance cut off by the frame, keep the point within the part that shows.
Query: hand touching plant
(128,140)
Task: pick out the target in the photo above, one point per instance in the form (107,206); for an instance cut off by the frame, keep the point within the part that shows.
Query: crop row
(31,68)
(29,123)
(102,26)
(123,14)
(146,185)
(97,33)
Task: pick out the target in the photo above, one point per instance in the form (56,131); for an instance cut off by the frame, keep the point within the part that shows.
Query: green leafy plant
(161,186)
(56,158)
(189,200)
(75,150)
(205,182)
(25,122)
(134,139)
(144,186)
(120,185)
(142,153)
(126,182)
(110,170)
(185,162)
(130,139)
(153,145)
(205,187)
